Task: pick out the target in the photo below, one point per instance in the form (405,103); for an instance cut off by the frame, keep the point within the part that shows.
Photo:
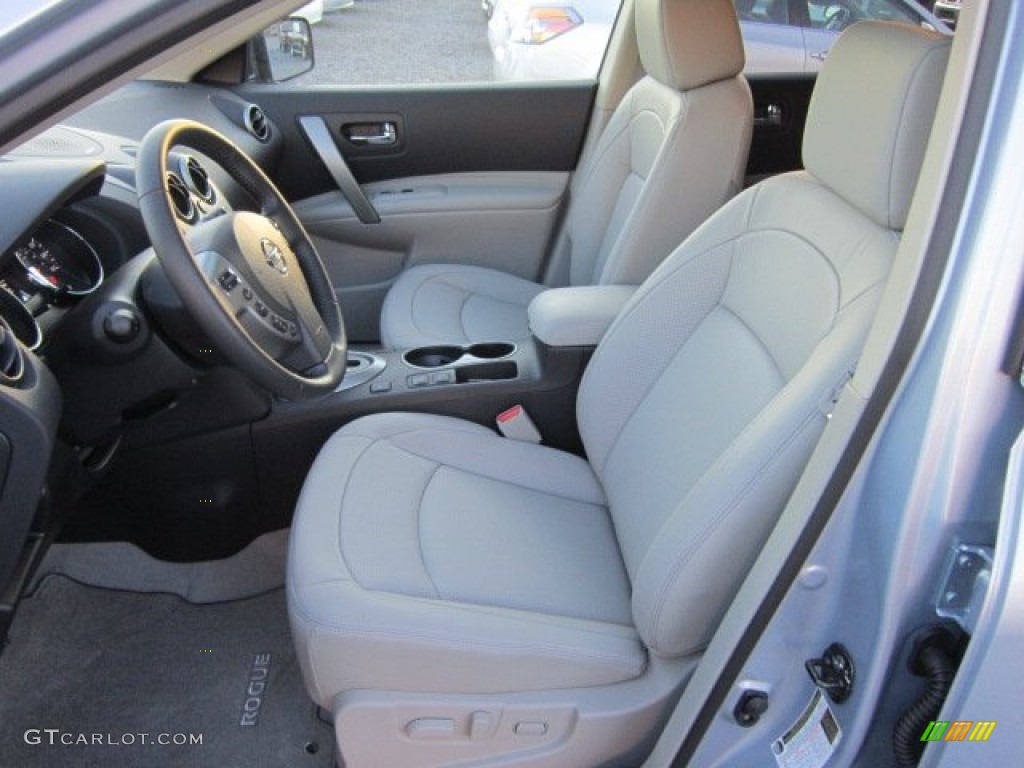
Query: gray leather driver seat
(456,596)
(677,142)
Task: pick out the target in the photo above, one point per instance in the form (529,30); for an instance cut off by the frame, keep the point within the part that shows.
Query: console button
(442,377)
(419,380)
(380,387)
(531,729)
(431,728)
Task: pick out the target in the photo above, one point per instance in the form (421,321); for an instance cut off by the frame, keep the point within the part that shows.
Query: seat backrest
(672,153)
(706,397)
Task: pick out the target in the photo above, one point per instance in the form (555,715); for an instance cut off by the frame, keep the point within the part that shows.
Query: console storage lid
(577,316)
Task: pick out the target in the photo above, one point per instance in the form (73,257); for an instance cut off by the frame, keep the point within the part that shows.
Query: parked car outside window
(312,12)
(531,40)
(948,11)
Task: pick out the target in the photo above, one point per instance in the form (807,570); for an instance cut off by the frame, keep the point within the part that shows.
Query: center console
(433,366)
(472,381)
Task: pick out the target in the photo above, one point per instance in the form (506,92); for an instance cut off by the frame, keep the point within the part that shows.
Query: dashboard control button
(380,387)
(228,280)
(418,380)
(122,326)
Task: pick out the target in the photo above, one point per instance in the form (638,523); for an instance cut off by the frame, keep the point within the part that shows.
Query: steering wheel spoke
(252,279)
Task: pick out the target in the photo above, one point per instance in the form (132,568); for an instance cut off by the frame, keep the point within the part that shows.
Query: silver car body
(312,12)
(791,36)
(572,55)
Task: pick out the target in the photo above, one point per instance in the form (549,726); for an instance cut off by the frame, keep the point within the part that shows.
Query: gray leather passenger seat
(456,596)
(673,152)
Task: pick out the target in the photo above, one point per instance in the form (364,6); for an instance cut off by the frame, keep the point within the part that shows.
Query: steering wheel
(251,279)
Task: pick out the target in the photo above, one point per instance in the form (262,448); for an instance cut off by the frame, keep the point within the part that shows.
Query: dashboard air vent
(197,178)
(257,123)
(180,197)
(12,364)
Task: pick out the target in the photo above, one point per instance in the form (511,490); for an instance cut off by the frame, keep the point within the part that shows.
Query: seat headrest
(689,43)
(871,114)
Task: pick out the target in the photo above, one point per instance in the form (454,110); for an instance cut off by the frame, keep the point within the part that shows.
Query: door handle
(371,134)
(320,138)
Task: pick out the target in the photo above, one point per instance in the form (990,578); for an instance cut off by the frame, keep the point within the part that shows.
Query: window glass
(395,42)
(837,15)
(764,11)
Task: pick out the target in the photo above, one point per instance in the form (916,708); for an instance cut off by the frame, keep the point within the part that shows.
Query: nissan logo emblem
(274,256)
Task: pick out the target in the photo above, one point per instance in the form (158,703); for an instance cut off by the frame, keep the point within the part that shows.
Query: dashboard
(61,235)
(71,216)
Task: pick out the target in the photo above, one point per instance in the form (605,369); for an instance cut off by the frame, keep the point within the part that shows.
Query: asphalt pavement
(384,42)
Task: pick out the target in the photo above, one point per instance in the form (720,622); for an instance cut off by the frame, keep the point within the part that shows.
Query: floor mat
(256,569)
(94,677)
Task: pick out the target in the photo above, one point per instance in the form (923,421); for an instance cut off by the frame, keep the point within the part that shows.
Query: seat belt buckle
(516,424)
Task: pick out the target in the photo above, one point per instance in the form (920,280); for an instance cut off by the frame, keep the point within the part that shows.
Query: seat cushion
(455,304)
(430,554)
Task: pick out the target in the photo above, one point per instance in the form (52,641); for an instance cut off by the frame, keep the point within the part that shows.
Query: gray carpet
(257,569)
(96,663)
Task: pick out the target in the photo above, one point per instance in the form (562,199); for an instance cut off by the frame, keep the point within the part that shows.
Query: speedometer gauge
(41,265)
(59,259)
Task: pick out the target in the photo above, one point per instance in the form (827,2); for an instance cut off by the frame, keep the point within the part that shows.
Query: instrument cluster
(52,266)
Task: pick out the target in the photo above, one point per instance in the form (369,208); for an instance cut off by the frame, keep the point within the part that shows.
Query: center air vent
(180,197)
(12,364)
(257,123)
(197,178)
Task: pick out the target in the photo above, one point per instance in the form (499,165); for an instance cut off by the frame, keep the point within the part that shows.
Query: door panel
(499,220)
(461,174)
(443,129)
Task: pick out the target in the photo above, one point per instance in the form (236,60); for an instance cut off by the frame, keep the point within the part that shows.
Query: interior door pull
(320,137)
(372,134)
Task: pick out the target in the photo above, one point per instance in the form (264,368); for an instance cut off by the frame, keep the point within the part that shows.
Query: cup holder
(440,356)
(491,351)
(433,357)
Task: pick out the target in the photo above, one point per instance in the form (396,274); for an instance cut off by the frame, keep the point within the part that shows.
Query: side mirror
(284,50)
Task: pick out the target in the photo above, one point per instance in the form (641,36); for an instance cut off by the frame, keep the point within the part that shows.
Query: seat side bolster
(706,546)
(383,641)
(426,305)
(486,454)
(699,169)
